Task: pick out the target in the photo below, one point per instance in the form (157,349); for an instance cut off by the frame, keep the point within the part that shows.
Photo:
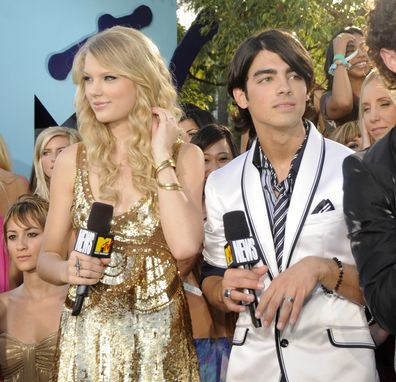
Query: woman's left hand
(165,132)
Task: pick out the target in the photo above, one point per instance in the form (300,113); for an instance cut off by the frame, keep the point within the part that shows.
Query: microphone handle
(252,309)
(253,305)
(81,293)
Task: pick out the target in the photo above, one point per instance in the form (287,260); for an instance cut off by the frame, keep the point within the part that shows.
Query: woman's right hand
(84,270)
(340,43)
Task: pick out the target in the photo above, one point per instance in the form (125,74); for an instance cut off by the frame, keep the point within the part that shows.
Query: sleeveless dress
(134,325)
(20,362)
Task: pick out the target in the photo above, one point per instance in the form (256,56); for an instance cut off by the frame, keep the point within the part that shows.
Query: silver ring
(78,266)
(288,299)
(227,293)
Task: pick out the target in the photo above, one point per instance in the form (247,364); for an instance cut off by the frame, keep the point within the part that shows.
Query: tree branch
(191,75)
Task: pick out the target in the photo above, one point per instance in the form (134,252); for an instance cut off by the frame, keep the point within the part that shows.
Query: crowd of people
(272,260)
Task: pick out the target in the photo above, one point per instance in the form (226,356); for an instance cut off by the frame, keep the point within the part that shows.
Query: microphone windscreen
(235,226)
(100,217)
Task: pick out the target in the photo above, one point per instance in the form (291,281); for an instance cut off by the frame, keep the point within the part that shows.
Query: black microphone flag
(241,250)
(94,241)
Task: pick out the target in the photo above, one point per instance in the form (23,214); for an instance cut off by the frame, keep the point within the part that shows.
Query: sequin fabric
(135,324)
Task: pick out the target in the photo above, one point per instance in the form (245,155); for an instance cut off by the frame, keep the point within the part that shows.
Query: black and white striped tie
(279,222)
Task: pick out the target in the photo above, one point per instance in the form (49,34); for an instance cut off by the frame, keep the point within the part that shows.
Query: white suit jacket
(331,340)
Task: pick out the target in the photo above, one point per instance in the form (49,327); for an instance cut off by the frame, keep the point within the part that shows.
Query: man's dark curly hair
(381,33)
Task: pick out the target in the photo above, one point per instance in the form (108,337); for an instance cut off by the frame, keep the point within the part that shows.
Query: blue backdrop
(33,31)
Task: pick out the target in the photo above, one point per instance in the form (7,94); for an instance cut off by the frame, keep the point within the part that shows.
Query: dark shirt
(331,124)
(273,189)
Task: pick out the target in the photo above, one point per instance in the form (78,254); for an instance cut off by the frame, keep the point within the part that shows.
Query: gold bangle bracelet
(165,164)
(169,186)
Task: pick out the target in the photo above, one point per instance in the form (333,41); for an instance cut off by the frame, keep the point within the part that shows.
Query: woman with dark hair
(193,119)
(346,66)
(218,146)
(212,329)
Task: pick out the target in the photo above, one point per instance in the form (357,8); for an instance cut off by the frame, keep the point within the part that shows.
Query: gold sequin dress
(135,325)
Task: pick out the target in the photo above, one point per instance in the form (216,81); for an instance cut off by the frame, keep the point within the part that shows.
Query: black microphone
(241,250)
(94,241)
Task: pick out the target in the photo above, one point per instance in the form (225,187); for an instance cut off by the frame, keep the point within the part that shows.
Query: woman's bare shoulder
(69,153)
(67,159)
(4,302)
(189,151)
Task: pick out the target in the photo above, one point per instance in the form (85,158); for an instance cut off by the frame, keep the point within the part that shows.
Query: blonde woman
(29,314)
(11,186)
(50,142)
(134,325)
(377,110)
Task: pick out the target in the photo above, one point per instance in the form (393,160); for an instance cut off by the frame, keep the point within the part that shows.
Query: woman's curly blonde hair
(5,161)
(128,53)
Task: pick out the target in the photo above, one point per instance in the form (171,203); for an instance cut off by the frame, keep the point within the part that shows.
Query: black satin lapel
(256,212)
(307,182)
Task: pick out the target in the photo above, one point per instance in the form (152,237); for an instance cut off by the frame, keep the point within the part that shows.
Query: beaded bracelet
(339,280)
(338,56)
(339,59)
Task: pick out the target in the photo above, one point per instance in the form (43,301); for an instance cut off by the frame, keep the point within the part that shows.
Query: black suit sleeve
(369,213)
(210,270)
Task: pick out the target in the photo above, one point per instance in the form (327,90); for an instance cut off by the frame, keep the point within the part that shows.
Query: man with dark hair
(370,187)
(308,324)
(381,39)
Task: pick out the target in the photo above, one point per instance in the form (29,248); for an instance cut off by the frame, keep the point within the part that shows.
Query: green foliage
(313,21)
(196,90)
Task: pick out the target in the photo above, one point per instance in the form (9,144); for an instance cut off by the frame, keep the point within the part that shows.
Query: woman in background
(217,143)
(348,135)
(345,67)
(212,329)
(377,111)
(49,144)
(193,119)
(11,187)
(29,314)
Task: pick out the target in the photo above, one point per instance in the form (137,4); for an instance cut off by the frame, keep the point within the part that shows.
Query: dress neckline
(89,194)
(45,339)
